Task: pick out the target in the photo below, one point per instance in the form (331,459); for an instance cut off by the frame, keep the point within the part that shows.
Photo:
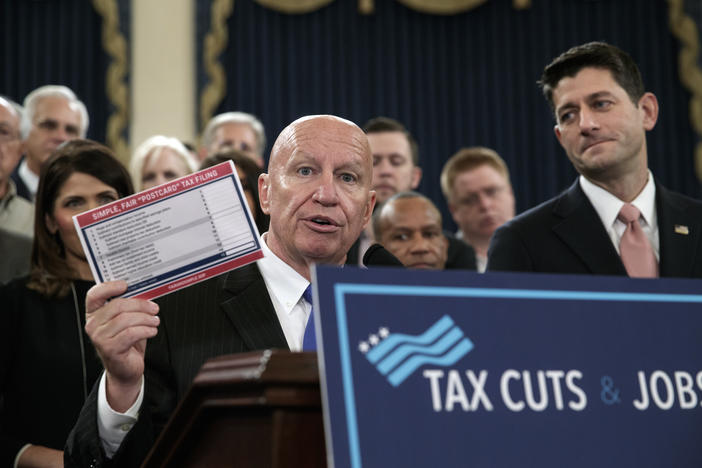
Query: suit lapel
(251,311)
(581,229)
(679,234)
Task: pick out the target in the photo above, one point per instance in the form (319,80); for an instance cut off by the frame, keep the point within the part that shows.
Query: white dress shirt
(608,206)
(30,179)
(285,287)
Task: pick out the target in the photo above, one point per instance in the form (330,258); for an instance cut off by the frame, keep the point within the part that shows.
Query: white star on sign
(383,332)
(373,339)
(363,347)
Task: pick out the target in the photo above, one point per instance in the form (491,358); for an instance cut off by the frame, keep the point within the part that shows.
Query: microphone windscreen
(377,255)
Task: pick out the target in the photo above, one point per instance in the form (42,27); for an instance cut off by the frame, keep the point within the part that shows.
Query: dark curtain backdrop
(55,42)
(460,80)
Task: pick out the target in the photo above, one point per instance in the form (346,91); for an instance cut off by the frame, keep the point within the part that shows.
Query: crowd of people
(330,190)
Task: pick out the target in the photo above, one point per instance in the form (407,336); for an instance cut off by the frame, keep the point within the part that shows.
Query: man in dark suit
(616,219)
(319,198)
(396,169)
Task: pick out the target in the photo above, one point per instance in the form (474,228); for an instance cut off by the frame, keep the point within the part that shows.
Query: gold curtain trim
(367,7)
(216,40)
(294,6)
(114,43)
(442,7)
(214,44)
(684,28)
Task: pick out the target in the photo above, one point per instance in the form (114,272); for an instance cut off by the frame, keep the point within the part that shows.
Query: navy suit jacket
(231,313)
(565,235)
(22,189)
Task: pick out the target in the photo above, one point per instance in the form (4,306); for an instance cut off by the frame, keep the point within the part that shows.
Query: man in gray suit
(616,206)
(319,198)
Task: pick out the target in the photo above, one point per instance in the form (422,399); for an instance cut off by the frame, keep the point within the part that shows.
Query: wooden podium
(259,409)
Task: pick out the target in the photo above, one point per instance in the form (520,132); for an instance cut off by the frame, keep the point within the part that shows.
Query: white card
(171,236)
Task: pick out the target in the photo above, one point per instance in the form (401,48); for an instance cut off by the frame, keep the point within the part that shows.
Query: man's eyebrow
(599,94)
(589,97)
(298,156)
(567,105)
(353,165)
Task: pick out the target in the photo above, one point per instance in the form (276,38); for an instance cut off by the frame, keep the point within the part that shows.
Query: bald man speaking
(318,195)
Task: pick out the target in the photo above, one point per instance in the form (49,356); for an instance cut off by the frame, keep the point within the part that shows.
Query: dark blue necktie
(309,342)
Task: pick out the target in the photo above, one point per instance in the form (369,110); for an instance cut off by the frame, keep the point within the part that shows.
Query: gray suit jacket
(231,313)
(565,235)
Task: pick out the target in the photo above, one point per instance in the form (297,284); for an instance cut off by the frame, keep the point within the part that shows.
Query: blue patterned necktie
(309,342)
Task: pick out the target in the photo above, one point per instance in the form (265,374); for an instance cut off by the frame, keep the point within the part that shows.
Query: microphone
(377,255)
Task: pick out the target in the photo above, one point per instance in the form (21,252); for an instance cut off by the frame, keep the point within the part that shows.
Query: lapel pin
(680,229)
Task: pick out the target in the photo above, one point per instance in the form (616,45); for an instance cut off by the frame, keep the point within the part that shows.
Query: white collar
(608,205)
(281,279)
(30,179)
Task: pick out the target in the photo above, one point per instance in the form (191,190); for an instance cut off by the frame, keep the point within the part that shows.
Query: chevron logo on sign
(398,355)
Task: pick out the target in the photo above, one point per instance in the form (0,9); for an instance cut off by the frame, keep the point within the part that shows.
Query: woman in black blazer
(47,363)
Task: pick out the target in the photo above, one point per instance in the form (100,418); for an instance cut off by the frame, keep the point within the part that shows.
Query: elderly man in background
(16,213)
(234,130)
(52,114)
(409,225)
(475,182)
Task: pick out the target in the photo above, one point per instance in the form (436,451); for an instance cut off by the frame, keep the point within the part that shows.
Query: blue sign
(456,369)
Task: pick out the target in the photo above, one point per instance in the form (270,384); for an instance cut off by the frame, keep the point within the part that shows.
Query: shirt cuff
(113,426)
(19,454)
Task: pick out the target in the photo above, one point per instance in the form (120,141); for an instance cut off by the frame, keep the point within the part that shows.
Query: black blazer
(42,386)
(22,189)
(231,313)
(565,235)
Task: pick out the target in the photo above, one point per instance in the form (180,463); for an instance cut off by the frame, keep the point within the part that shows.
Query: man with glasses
(52,114)
(16,213)
(475,182)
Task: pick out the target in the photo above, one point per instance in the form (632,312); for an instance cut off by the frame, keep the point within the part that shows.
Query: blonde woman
(158,160)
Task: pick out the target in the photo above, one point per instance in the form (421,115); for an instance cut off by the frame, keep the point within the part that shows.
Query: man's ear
(557,131)
(648,104)
(416,177)
(368,212)
(264,192)
(452,209)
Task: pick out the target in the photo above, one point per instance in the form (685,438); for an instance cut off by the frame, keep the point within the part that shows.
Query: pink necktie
(635,249)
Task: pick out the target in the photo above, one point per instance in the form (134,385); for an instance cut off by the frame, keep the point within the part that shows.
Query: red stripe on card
(155,194)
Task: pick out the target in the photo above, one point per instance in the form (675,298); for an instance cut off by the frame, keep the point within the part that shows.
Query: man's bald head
(326,127)
(317,191)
